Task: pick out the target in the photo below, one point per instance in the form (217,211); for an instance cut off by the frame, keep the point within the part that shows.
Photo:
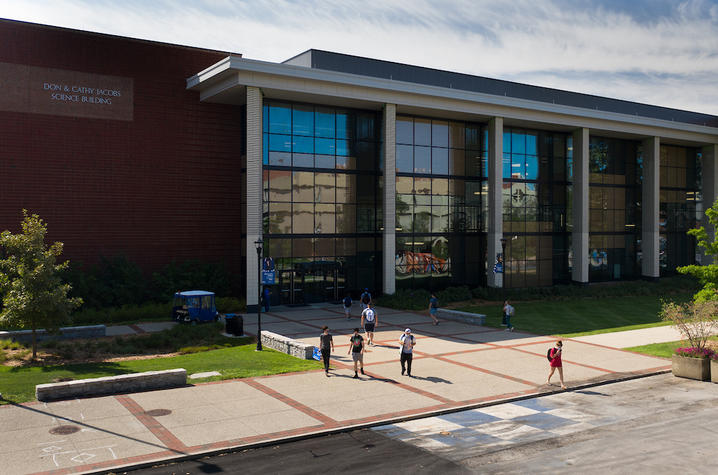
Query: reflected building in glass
(362,173)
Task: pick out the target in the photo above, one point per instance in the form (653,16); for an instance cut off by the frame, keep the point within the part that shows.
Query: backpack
(548,355)
(347,301)
(365,298)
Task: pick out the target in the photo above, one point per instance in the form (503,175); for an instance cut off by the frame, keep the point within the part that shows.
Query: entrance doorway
(291,287)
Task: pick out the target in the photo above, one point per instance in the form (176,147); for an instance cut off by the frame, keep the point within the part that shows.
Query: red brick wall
(164,186)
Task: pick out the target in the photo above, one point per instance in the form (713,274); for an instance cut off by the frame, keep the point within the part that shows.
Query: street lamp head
(258,243)
(503,241)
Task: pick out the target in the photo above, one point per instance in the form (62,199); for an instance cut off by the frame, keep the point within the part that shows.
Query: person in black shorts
(326,346)
(369,321)
(356,348)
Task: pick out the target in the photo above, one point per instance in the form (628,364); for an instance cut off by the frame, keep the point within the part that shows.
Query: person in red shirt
(555,355)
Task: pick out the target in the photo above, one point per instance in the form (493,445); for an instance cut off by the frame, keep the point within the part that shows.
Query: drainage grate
(158,412)
(64,430)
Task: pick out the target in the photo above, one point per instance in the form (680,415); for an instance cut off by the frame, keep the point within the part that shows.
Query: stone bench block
(286,345)
(463,317)
(123,383)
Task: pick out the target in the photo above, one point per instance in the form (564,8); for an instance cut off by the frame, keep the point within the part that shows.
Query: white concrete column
(495,229)
(254,191)
(579,236)
(389,234)
(709,191)
(650,208)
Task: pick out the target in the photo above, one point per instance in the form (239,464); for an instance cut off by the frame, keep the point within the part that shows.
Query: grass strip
(579,317)
(17,384)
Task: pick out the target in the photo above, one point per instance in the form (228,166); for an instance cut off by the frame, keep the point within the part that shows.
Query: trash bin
(234,324)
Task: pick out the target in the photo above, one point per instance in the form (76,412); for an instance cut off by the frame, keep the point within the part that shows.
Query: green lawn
(17,384)
(664,350)
(579,317)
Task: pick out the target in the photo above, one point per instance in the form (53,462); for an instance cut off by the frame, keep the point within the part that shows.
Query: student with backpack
(508,313)
(365,299)
(348,306)
(407,341)
(554,359)
(369,321)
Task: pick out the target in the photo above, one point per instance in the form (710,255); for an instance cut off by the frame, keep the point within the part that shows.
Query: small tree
(707,275)
(33,294)
(695,320)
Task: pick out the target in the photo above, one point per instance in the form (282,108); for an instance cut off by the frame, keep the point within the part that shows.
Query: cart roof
(195,293)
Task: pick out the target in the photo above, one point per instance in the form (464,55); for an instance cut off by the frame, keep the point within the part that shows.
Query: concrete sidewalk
(455,365)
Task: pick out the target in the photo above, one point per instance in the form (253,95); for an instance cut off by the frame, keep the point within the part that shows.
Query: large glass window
(614,209)
(680,208)
(534,198)
(321,199)
(438,203)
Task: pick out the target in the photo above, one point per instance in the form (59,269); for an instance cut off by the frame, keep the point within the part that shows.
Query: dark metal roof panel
(326,60)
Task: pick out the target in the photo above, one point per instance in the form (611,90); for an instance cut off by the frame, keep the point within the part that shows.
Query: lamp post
(258,244)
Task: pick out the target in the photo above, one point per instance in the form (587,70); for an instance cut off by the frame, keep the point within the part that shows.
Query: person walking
(555,362)
(369,321)
(508,313)
(326,346)
(265,297)
(348,306)
(407,341)
(434,309)
(356,348)
(365,299)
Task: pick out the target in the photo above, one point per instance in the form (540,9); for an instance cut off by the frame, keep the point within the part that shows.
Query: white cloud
(670,59)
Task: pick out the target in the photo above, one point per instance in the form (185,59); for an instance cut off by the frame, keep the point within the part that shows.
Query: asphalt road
(660,424)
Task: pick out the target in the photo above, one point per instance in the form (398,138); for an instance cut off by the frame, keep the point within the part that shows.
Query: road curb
(349,428)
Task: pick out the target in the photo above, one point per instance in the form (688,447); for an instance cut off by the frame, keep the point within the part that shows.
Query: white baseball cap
(408,330)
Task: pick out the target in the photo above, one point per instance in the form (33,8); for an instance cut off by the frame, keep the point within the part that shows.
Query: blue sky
(653,51)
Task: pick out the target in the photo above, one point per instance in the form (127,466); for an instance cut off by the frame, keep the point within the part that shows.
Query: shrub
(126,313)
(696,321)
(230,305)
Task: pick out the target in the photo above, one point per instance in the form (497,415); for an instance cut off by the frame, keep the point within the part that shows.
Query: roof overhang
(226,81)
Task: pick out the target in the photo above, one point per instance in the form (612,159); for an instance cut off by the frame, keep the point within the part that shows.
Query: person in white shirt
(369,321)
(407,341)
(508,313)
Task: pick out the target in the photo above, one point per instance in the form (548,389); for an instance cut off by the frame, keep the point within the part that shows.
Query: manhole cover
(64,430)
(158,412)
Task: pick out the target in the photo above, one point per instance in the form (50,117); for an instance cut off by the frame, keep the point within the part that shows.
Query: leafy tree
(33,294)
(707,275)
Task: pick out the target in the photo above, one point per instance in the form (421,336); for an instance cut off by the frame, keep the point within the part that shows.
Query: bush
(117,281)
(230,305)
(126,313)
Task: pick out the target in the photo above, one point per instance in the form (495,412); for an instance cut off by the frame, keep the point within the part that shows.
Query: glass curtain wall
(440,235)
(536,169)
(615,176)
(321,196)
(680,208)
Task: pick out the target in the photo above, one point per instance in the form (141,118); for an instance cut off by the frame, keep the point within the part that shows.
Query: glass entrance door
(291,287)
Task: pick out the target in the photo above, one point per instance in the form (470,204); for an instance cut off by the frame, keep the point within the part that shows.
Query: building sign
(268,271)
(69,93)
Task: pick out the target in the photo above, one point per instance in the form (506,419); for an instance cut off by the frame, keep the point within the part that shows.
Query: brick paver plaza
(455,365)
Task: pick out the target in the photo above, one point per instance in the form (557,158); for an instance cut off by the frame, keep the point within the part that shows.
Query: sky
(662,52)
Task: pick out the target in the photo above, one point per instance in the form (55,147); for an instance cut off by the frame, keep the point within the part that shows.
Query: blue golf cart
(194,306)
